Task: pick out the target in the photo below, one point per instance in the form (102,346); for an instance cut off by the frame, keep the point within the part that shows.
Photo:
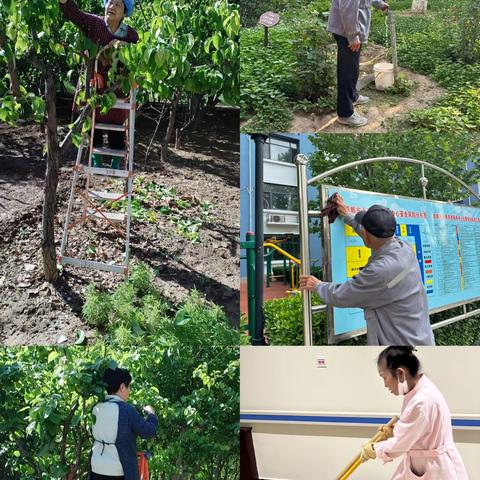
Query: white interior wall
(287,380)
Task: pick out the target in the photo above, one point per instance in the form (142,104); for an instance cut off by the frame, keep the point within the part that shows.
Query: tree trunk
(419,6)
(51,182)
(12,70)
(171,126)
(193,114)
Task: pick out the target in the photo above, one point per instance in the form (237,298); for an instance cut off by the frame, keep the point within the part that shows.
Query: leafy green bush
(468,42)
(274,116)
(440,119)
(284,325)
(298,63)
(316,63)
(251,10)
(454,75)
(97,307)
(284,321)
(135,313)
(402,87)
(458,112)
(464,332)
(423,41)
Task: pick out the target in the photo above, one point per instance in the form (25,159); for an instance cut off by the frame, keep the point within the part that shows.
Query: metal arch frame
(301,161)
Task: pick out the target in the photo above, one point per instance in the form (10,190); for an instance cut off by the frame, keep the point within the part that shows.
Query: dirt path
(384,111)
(205,169)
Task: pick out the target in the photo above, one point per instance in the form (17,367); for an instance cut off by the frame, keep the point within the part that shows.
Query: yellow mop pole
(355,463)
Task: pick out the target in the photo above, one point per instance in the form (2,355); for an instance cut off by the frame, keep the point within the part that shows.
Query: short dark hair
(115,377)
(396,357)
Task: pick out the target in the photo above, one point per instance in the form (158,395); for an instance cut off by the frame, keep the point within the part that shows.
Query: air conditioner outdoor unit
(282,219)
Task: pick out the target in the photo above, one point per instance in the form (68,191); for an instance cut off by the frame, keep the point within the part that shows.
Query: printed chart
(444,237)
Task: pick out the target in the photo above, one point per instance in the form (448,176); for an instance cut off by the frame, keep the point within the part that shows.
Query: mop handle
(355,463)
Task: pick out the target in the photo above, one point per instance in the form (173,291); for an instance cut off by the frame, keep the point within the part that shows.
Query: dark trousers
(116,139)
(348,70)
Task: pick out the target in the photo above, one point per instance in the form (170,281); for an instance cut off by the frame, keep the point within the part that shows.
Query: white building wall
(286,381)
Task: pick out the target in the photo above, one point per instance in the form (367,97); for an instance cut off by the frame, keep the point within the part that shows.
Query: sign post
(268,20)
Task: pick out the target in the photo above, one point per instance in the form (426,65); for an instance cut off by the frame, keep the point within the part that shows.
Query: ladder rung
(109,172)
(104,195)
(112,216)
(110,126)
(109,151)
(122,105)
(318,308)
(107,267)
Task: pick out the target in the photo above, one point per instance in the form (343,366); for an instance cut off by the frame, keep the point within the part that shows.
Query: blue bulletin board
(444,236)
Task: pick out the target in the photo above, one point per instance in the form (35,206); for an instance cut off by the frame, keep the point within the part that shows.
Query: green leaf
(161,56)
(81,339)
(216,40)
(53,355)
(181,318)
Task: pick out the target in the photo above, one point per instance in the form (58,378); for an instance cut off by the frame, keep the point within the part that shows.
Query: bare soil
(204,169)
(386,112)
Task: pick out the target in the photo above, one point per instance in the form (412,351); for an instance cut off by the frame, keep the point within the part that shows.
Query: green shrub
(135,313)
(284,325)
(123,300)
(456,75)
(251,10)
(468,41)
(423,42)
(440,119)
(97,308)
(457,113)
(141,278)
(272,117)
(316,62)
(284,321)
(402,87)
(298,63)
(463,332)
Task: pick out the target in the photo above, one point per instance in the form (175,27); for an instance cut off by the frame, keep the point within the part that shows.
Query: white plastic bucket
(383,75)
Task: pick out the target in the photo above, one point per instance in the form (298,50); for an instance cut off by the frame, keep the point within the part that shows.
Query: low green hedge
(284,325)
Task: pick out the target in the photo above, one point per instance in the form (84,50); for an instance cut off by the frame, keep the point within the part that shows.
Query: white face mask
(403,387)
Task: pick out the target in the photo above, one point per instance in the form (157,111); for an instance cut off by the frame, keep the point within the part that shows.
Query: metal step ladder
(94,200)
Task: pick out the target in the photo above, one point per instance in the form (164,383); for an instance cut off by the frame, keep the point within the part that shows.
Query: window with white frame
(280,197)
(280,149)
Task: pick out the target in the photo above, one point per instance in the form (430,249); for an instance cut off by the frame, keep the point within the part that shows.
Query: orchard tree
(184,364)
(48,394)
(450,152)
(188,51)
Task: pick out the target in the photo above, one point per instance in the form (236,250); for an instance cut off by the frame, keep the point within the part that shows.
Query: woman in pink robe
(423,434)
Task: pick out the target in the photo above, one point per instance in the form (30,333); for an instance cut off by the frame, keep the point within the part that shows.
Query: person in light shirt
(423,436)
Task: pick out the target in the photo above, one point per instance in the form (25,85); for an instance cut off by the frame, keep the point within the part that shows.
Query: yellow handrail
(283,252)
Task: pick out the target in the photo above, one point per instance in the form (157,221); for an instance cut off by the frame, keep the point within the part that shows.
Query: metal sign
(269,19)
(445,238)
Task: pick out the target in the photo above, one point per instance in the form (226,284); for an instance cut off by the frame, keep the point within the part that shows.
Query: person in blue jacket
(117,426)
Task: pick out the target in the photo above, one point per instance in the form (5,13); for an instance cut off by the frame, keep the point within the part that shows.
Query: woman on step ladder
(105,31)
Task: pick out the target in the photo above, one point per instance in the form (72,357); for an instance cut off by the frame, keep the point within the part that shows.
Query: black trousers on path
(348,70)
